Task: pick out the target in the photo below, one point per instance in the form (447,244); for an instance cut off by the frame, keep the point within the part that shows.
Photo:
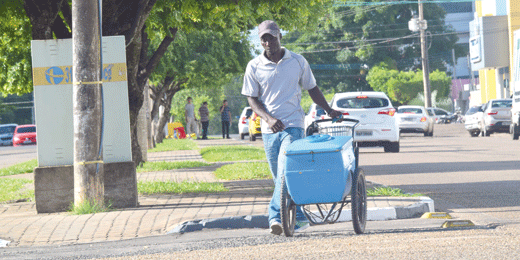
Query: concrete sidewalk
(160,214)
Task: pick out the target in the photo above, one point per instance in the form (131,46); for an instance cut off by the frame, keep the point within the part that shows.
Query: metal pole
(87,103)
(425,61)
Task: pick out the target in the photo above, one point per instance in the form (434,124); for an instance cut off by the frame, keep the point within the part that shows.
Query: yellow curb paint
(457,223)
(436,215)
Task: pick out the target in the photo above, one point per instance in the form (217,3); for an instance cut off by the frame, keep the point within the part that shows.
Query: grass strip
(244,171)
(163,166)
(160,187)
(174,145)
(88,207)
(390,192)
(13,190)
(229,153)
(20,168)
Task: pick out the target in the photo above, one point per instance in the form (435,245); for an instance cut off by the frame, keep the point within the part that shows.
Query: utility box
(489,42)
(53,100)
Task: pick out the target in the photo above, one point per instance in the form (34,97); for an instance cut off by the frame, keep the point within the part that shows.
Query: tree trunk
(163,119)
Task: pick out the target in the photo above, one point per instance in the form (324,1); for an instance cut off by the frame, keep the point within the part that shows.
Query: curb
(260,221)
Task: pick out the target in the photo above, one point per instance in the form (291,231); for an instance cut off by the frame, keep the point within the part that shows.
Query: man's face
(270,43)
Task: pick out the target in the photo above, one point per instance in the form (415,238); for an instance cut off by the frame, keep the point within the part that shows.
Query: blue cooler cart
(322,176)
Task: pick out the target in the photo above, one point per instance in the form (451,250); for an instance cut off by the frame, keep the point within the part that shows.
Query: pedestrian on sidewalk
(272,85)
(189,116)
(204,119)
(225,113)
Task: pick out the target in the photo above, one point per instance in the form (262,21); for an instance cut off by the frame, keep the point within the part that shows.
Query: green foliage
(14,190)
(163,166)
(158,187)
(403,86)
(244,171)
(390,192)
(229,153)
(15,51)
(350,40)
(20,168)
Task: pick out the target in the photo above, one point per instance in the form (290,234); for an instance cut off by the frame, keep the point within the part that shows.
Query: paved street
(472,178)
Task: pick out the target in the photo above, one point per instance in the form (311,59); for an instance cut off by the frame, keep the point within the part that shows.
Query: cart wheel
(359,202)
(287,210)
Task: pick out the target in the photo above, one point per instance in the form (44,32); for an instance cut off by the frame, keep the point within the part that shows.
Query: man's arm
(275,124)
(319,99)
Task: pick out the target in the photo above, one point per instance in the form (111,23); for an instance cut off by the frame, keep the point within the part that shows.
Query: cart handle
(314,125)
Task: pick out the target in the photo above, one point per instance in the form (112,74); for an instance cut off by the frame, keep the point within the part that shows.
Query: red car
(24,134)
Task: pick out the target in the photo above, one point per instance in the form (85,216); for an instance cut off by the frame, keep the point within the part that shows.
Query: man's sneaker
(301,225)
(276,227)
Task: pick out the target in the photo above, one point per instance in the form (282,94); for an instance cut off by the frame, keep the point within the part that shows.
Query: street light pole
(424,58)
(87,103)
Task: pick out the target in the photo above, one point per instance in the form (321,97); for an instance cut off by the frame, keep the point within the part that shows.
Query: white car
(315,113)
(243,122)
(496,117)
(377,123)
(472,120)
(414,119)
(438,114)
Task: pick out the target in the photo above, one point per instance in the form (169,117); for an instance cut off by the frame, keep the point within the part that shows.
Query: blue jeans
(275,146)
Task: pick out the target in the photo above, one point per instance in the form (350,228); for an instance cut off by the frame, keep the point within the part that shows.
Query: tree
(350,40)
(200,59)
(52,19)
(403,86)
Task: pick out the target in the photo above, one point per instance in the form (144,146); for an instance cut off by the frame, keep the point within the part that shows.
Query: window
(31,129)
(365,102)
(409,110)
(440,112)
(7,129)
(501,104)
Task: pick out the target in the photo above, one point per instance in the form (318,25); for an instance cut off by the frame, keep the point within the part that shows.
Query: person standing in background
(189,116)
(204,119)
(225,113)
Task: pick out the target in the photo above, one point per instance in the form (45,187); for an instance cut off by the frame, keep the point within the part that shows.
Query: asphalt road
(473,179)
(10,155)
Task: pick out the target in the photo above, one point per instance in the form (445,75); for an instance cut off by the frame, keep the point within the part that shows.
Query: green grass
(20,168)
(88,207)
(390,192)
(244,171)
(13,190)
(174,145)
(229,153)
(162,166)
(158,187)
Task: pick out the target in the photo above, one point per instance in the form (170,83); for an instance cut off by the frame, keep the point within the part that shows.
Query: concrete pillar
(499,81)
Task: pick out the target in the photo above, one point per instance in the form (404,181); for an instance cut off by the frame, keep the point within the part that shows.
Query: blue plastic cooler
(318,167)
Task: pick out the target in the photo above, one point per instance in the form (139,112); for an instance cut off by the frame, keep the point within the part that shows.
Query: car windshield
(409,110)
(319,111)
(362,102)
(440,112)
(249,112)
(501,104)
(7,129)
(472,110)
(29,129)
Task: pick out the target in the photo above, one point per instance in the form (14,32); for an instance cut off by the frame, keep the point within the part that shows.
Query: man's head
(270,36)
(224,102)
(189,99)
(204,103)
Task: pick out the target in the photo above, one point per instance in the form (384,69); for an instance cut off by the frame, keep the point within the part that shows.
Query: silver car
(472,120)
(414,119)
(6,134)
(496,117)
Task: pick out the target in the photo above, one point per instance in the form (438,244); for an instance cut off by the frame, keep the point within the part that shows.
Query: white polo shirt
(278,86)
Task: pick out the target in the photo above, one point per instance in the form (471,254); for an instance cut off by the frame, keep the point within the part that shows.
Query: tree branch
(158,54)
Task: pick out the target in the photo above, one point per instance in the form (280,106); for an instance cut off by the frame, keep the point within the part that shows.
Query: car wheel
(515,131)
(252,138)
(474,133)
(242,136)
(392,147)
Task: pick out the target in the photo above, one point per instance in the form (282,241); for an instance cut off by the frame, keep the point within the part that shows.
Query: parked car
(496,117)
(440,116)
(315,113)
(255,127)
(377,123)
(472,120)
(243,122)
(24,134)
(414,119)
(6,134)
